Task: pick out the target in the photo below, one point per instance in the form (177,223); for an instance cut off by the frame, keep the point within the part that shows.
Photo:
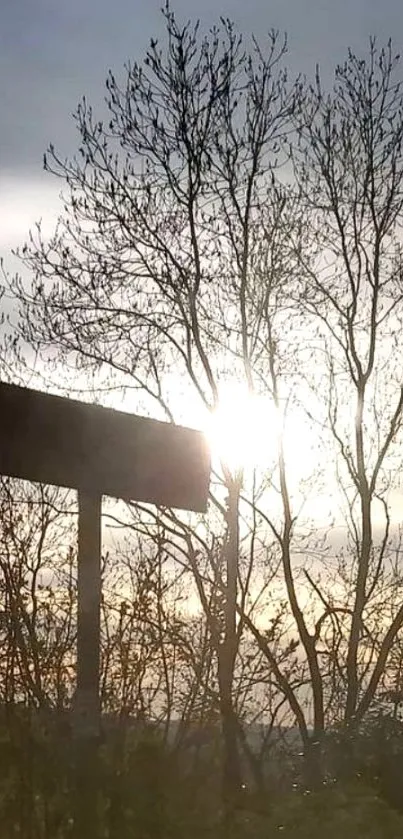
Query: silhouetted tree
(220,224)
(170,193)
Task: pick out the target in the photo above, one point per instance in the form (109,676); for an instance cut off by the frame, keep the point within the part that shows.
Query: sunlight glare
(244,429)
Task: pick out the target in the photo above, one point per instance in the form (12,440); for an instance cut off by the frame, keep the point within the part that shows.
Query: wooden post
(87,702)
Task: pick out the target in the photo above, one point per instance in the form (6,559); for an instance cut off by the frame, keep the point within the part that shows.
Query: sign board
(97,451)
(61,441)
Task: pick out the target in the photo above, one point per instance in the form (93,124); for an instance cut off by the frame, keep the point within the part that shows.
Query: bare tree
(220,224)
(165,196)
(347,163)
(37,594)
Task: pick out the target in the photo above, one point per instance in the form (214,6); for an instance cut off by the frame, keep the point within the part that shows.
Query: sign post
(97,451)
(87,700)
(88,610)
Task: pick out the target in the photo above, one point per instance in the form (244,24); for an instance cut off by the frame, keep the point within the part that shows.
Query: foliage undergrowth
(148,791)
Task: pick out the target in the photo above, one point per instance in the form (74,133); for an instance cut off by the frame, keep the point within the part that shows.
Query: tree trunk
(231,771)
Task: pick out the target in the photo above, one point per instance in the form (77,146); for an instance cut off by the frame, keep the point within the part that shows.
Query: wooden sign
(72,444)
(97,451)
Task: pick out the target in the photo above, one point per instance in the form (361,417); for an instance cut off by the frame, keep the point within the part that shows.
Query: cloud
(24,201)
(63,50)
(52,53)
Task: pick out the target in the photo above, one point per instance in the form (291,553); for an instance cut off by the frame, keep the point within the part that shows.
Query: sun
(240,430)
(244,431)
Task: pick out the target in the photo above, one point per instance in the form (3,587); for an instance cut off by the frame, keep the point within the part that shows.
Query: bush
(337,812)
(147,794)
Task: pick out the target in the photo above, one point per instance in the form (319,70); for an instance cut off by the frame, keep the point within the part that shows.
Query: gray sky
(52,52)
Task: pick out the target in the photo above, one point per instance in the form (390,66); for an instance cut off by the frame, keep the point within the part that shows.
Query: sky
(52,52)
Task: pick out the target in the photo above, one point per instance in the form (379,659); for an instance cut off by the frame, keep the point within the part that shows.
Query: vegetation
(146,791)
(223,226)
